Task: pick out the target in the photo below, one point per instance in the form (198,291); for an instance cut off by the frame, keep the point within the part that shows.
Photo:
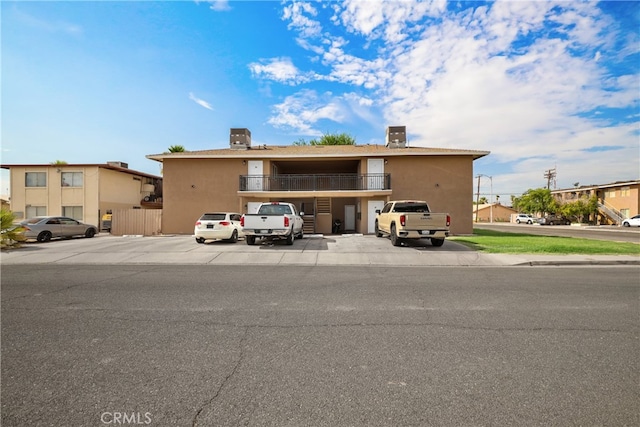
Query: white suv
(218,226)
(527,219)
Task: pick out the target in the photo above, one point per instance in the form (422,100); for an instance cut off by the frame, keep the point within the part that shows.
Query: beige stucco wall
(54,196)
(119,190)
(195,186)
(102,189)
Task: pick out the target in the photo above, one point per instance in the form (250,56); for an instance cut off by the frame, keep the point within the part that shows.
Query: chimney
(396,137)
(239,138)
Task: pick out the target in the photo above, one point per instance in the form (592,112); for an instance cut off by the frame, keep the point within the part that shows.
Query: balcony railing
(315,182)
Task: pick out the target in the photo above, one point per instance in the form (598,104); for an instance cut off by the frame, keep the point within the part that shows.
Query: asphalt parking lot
(347,249)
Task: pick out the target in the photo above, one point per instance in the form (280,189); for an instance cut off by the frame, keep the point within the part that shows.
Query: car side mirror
(378,211)
(301,213)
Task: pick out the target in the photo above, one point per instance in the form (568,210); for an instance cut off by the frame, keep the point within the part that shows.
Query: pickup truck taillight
(242,221)
(286,221)
(448,220)
(403,220)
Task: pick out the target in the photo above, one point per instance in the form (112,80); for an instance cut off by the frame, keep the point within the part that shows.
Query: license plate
(209,225)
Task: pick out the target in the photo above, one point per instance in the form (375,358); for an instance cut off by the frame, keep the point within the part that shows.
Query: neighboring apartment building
(81,191)
(345,182)
(616,201)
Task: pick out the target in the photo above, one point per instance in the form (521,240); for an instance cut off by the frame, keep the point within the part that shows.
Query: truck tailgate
(426,221)
(263,221)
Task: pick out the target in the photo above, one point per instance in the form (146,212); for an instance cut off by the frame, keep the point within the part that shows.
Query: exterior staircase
(611,213)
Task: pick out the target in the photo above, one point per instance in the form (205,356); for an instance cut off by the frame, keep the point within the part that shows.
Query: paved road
(615,234)
(282,345)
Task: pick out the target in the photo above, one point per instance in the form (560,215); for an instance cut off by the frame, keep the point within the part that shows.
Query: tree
(12,234)
(539,200)
(329,139)
(580,209)
(59,162)
(176,149)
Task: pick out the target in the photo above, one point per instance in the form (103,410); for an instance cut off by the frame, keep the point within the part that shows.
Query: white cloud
(200,102)
(219,5)
(278,69)
(528,80)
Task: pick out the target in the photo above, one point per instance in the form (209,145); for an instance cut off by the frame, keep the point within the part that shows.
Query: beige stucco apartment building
(616,200)
(344,182)
(81,191)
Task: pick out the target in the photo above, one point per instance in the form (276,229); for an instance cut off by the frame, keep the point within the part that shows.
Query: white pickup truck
(411,219)
(274,220)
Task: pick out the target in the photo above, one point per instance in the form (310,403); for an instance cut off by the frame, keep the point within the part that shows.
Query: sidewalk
(360,250)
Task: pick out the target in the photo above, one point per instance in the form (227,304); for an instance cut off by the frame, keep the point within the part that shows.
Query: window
(35,179)
(72,179)
(610,194)
(74,212)
(625,192)
(626,213)
(36,211)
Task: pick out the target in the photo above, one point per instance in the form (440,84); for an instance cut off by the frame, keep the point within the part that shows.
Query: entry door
(254,180)
(375,172)
(252,207)
(349,217)
(371,213)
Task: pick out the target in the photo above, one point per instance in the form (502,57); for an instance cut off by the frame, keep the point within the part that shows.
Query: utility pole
(478,197)
(550,175)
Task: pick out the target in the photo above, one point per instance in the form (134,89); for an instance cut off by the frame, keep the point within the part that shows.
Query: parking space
(353,249)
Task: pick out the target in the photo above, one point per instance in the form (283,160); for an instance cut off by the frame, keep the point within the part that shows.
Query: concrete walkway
(361,250)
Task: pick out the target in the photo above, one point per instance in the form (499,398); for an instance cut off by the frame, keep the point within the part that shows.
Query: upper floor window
(610,194)
(35,179)
(72,179)
(625,192)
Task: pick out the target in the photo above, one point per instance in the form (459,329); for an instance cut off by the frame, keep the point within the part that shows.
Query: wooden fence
(145,222)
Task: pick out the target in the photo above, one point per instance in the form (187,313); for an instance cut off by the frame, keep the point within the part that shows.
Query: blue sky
(540,84)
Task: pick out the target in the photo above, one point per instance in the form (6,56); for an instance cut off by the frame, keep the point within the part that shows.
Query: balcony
(315,182)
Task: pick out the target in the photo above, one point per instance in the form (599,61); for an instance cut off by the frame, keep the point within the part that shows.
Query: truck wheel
(437,242)
(395,240)
(378,233)
(290,238)
(251,240)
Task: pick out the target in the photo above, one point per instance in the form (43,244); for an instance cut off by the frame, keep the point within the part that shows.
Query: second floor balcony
(315,182)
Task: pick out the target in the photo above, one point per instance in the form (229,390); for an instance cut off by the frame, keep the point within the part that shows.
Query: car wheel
(517,221)
(550,222)
(377,230)
(437,242)
(44,236)
(626,224)
(251,240)
(234,236)
(395,240)
(199,240)
(89,233)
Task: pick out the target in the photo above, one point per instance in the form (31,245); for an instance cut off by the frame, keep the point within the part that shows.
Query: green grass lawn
(515,243)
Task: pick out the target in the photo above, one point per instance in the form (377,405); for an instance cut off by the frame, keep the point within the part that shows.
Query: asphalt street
(315,345)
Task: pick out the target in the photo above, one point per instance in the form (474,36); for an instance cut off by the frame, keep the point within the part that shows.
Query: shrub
(12,234)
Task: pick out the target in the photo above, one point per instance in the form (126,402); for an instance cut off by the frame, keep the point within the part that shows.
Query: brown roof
(298,151)
(78,165)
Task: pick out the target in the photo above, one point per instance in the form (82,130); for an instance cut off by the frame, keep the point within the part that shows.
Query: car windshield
(213,217)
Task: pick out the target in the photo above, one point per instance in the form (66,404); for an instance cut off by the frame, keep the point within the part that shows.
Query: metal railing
(611,212)
(315,182)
